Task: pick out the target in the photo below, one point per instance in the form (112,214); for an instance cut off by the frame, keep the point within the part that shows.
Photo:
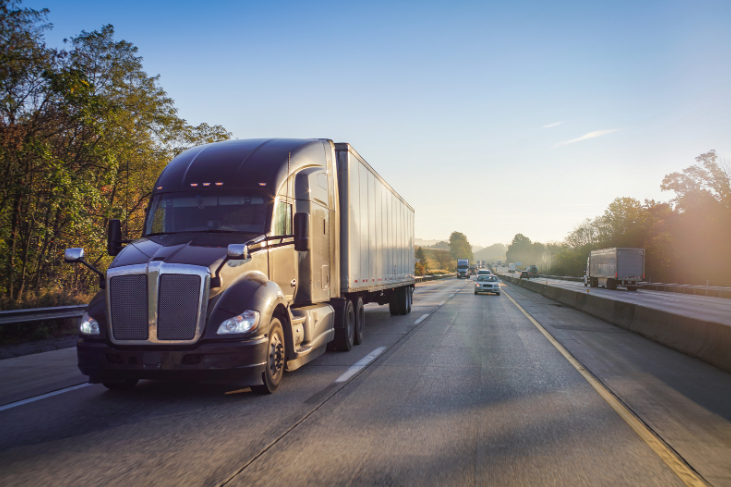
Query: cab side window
(283,219)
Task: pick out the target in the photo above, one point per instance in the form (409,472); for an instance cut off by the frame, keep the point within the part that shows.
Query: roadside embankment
(707,340)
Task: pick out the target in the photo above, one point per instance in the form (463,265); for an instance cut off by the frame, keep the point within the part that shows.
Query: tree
(459,246)
(83,135)
(421,257)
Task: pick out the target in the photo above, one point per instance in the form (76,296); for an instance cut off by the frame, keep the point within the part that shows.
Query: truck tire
(611,284)
(359,321)
(272,375)
(393,303)
(121,386)
(345,334)
(631,288)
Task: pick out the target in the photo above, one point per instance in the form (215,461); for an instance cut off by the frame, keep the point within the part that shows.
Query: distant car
(483,272)
(487,284)
(525,274)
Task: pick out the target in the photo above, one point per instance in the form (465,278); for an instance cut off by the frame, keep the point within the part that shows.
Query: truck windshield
(207,212)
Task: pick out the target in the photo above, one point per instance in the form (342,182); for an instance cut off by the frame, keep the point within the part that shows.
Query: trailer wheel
(611,284)
(345,336)
(272,375)
(631,288)
(359,321)
(409,299)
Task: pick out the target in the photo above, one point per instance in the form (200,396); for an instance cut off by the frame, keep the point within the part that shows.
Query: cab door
(282,256)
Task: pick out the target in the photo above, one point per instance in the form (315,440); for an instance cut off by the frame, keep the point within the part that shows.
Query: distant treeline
(84,133)
(688,239)
(438,258)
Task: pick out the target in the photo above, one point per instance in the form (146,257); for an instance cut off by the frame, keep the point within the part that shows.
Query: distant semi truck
(615,267)
(511,267)
(463,268)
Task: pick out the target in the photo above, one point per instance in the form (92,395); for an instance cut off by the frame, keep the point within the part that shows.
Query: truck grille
(177,312)
(157,303)
(129,307)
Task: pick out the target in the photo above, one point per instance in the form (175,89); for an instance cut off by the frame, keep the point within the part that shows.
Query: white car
(487,284)
(484,272)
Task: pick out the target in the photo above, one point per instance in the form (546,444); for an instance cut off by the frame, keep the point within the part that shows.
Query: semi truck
(463,268)
(511,267)
(616,266)
(256,256)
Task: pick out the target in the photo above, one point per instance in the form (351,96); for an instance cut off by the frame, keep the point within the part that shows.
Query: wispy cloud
(555,124)
(590,135)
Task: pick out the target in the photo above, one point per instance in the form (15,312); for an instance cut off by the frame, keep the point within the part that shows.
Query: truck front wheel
(272,375)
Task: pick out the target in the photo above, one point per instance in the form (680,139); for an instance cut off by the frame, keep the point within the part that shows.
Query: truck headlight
(88,325)
(245,322)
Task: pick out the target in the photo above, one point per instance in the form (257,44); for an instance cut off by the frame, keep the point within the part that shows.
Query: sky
(489,118)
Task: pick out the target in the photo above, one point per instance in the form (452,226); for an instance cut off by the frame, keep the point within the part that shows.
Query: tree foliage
(459,246)
(84,132)
(686,239)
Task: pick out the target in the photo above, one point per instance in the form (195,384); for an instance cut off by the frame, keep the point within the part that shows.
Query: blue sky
(490,118)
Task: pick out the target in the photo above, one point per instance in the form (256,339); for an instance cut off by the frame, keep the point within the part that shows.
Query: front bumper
(491,289)
(103,362)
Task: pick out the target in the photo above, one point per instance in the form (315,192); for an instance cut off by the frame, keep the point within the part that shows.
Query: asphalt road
(473,393)
(697,306)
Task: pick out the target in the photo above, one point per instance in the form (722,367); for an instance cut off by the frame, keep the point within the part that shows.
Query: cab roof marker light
(159,187)
(262,184)
(193,185)
(206,184)
(219,184)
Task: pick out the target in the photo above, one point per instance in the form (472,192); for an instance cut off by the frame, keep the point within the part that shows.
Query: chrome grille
(129,307)
(177,313)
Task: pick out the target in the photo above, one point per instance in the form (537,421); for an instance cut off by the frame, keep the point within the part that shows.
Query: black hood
(193,248)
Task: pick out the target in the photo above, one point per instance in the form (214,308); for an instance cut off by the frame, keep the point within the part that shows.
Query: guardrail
(721,292)
(434,277)
(40,314)
(718,291)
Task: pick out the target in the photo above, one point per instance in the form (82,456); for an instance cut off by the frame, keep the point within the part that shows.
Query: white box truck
(614,267)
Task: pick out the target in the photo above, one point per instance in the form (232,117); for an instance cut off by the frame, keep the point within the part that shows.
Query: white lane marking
(452,295)
(423,317)
(360,364)
(442,303)
(42,396)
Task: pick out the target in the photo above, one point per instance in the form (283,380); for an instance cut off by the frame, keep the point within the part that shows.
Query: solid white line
(42,396)
(423,317)
(360,364)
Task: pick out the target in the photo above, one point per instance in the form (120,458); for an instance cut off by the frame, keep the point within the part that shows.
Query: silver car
(487,284)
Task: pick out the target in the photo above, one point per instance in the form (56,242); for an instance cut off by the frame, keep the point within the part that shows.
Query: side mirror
(73,255)
(302,231)
(114,237)
(238,251)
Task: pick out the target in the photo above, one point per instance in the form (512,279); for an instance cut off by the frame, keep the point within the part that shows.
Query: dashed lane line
(360,364)
(42,396)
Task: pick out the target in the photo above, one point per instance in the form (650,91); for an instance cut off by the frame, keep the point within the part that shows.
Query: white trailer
(376,228)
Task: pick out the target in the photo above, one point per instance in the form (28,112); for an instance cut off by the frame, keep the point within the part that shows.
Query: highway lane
(702,307)
(473,394)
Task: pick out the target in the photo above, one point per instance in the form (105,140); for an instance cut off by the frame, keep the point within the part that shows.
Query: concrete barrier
(707,340)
